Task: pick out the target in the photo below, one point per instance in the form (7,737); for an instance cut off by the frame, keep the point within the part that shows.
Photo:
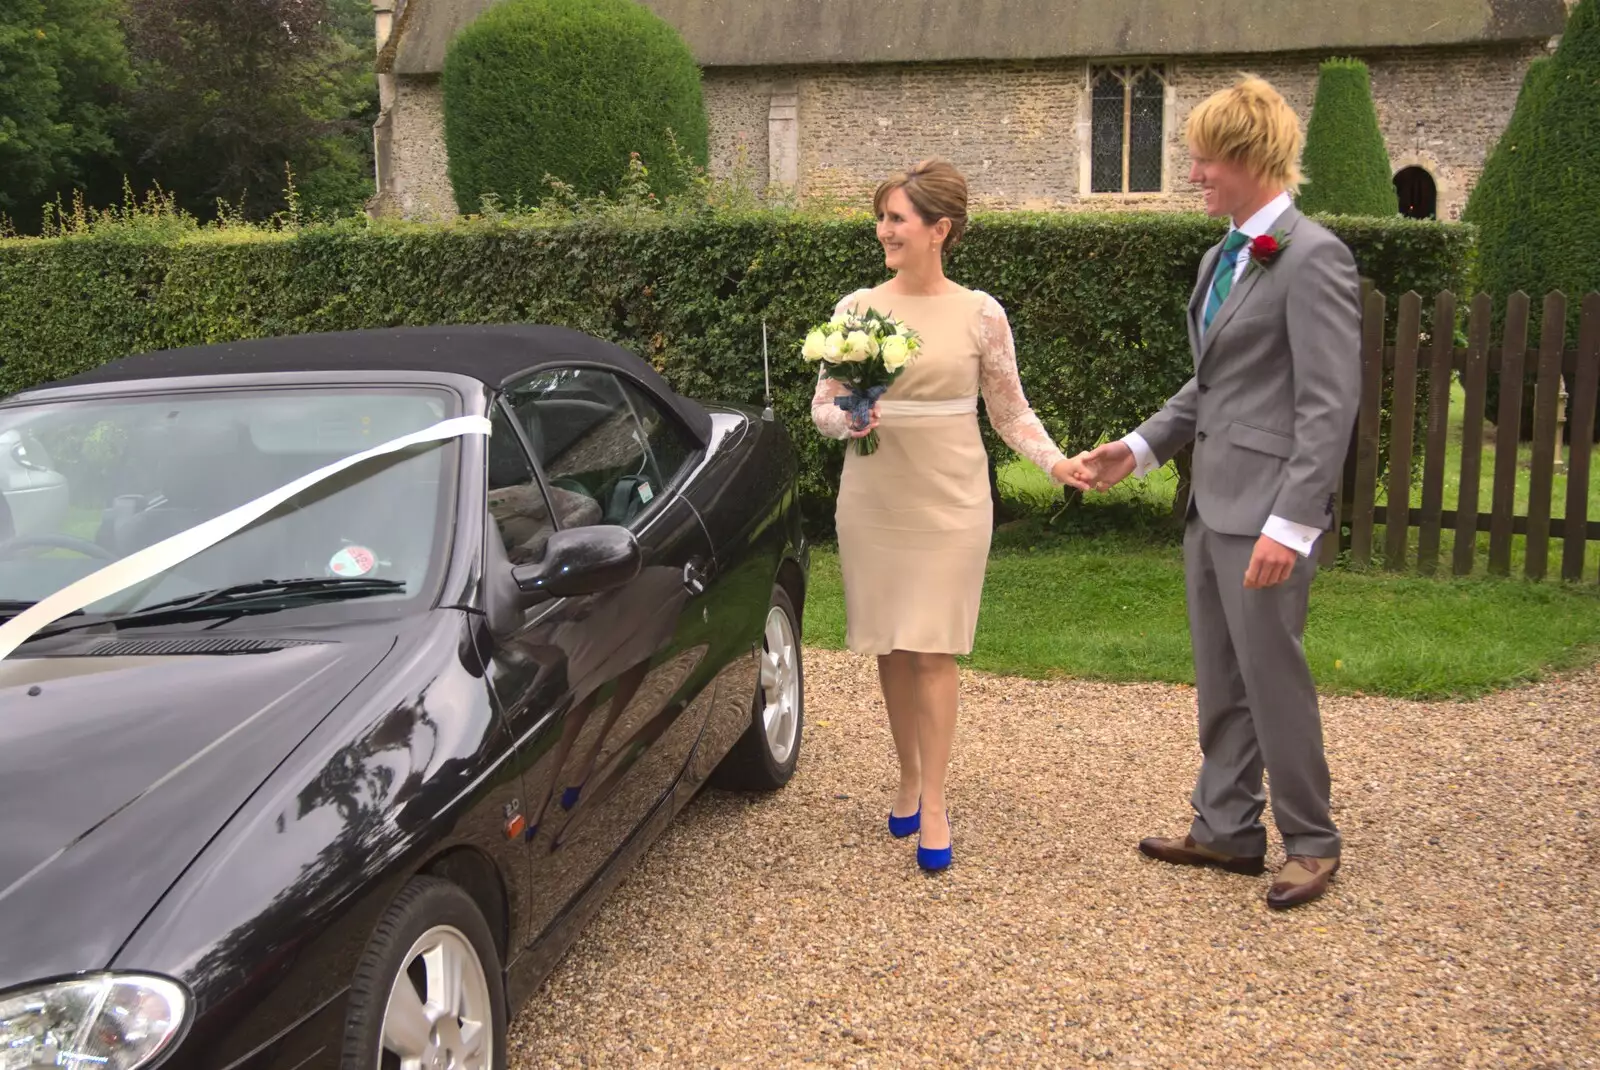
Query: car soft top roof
(494,354)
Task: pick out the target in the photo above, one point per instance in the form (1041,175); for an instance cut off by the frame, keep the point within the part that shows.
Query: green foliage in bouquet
(866,352)
(566,89)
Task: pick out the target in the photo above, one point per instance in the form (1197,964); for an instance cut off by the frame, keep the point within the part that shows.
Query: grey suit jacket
(1276,386)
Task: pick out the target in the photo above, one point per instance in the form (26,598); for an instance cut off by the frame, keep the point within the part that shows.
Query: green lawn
(1096,591)
(1112,608)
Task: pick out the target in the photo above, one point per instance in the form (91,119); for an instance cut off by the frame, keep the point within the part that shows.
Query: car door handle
(695,576)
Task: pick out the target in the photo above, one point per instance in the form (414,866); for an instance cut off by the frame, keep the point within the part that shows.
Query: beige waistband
(952,407)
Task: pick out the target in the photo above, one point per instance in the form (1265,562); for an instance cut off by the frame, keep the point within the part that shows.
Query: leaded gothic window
(1127,128)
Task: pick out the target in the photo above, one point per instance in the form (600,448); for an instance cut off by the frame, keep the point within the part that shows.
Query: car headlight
(104,1022)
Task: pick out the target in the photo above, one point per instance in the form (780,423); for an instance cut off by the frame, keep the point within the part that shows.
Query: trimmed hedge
(1538,202)
(567,88)
(1096,302)
(1345,161)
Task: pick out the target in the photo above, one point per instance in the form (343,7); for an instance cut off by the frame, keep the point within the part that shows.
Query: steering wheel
(13,547)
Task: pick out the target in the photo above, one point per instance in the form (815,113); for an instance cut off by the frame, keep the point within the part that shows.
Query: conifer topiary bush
(568,89)
(1345,162)
(1500,204)
(1537,204)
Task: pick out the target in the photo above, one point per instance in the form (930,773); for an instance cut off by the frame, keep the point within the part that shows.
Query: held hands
(1104,467)
(1097,469)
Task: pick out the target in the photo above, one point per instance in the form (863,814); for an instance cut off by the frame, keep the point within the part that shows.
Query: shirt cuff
(1296,537)
(1144,460)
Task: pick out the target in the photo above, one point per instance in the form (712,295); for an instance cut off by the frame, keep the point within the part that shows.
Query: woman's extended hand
(872,424)
(1073,472)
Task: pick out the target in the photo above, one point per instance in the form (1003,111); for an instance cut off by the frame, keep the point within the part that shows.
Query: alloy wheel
(439,1015)
(780,685)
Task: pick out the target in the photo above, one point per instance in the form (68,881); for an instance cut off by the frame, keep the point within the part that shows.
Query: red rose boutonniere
(1265,249)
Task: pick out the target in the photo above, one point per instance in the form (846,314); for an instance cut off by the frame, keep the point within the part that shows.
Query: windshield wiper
(330,587)
(10,607)
(258,596)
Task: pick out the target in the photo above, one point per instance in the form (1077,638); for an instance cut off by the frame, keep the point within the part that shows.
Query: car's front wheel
(427,992)
(765,757)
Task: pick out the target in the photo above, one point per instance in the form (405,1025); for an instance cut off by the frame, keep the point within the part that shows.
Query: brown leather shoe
(1186,852)
(1301,880)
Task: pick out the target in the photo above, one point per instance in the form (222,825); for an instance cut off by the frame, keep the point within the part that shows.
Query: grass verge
(1112,608)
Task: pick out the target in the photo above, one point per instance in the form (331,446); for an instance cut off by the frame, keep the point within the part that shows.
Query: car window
(670,444)
(83,483)
(594,436)
(516,503)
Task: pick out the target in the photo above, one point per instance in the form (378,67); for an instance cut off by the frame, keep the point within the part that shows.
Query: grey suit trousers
(1258,703)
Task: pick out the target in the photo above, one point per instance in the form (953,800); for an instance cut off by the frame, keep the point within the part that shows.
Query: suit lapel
(1242,288)
(1197,300)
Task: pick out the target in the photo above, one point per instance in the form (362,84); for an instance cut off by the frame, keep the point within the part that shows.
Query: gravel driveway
(1464,929)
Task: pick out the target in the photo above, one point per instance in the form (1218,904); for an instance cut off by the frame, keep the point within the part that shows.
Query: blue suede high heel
(935,860)
(901,827)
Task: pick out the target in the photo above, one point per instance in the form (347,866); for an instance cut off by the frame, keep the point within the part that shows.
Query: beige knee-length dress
(915,517)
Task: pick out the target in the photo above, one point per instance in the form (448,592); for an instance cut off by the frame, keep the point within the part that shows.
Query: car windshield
(84,483)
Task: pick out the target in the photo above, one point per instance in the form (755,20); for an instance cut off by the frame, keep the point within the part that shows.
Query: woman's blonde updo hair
(936,190)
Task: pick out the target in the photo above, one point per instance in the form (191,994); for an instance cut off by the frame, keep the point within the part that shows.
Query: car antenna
(766,368)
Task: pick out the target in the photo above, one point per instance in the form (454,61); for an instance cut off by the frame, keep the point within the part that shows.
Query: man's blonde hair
(1250,123)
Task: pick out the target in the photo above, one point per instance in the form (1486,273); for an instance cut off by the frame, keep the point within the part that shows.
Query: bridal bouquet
(866,352)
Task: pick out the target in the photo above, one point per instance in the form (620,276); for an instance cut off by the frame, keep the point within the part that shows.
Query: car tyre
(764,759)
(428,986)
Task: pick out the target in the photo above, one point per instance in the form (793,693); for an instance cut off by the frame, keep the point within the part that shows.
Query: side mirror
(582,561)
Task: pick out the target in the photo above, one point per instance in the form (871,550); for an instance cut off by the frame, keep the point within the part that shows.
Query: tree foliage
(62,68)
(231,93)
(1537,204)
(566,88)
(1346,163)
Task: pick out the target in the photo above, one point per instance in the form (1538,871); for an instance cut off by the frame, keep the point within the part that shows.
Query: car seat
(188,475)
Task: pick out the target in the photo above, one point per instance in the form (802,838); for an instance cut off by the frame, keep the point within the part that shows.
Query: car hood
(116,771)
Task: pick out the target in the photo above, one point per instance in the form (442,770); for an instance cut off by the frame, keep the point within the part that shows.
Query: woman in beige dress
(915,516)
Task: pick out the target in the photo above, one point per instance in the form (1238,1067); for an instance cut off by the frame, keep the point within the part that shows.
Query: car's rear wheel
(427,994)
(765,757)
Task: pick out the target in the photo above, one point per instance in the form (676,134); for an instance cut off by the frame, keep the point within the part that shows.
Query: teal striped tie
(1222,282)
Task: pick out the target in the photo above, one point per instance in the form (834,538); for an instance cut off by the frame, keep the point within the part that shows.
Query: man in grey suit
(1274,324)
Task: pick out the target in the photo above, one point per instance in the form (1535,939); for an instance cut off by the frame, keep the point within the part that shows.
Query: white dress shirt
(1298,537)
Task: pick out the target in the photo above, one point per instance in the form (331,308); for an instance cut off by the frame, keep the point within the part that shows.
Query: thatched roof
(759,33)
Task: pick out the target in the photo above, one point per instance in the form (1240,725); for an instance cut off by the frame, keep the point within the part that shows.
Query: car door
(607,692)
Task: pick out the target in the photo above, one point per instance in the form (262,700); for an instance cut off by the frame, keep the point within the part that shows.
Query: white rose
(816,346)
(833,348)
(858,346)
(839,320)
(895,353)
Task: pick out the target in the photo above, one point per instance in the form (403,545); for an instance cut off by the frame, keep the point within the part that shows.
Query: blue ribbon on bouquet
(858,403)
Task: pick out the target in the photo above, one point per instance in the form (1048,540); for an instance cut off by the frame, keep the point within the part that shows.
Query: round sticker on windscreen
(352,561)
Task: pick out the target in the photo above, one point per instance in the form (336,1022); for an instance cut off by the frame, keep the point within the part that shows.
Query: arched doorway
(1419,196)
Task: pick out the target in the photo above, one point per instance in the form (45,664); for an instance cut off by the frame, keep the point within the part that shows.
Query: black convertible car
(339,789)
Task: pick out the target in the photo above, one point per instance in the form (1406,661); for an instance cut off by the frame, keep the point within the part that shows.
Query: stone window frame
(1165,69)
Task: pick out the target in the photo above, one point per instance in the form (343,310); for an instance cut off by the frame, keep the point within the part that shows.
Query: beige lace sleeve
(1003,398)
(830,419)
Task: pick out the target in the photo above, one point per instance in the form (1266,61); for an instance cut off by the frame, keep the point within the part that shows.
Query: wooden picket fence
(1564,382)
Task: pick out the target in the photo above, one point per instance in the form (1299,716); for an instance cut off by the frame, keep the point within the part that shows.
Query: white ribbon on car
(158,557)
(952,407)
